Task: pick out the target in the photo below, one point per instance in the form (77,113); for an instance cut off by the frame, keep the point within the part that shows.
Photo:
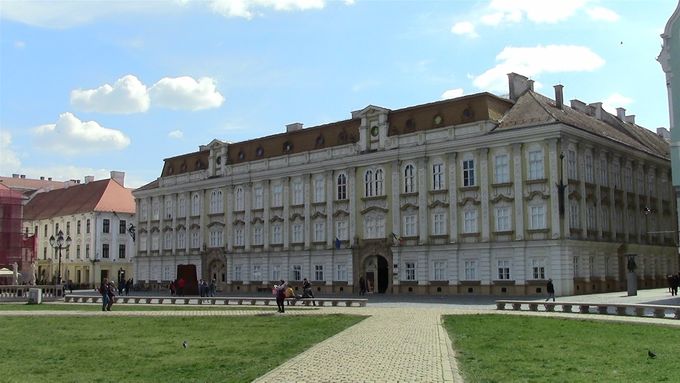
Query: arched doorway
(376,273)
(217,270)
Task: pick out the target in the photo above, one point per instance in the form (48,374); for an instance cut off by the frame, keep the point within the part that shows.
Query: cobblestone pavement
(393,344)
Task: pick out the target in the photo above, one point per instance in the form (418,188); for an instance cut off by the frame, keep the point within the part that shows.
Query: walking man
(551,291)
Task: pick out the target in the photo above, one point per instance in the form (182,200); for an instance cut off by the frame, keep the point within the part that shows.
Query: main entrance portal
(376,272)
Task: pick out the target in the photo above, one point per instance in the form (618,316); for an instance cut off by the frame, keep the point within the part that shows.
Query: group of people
(673,283)
(108,292)
(177,287)
(206,289)
(365,286)
(283,290)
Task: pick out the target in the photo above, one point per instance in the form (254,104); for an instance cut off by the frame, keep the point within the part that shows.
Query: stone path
(393,344)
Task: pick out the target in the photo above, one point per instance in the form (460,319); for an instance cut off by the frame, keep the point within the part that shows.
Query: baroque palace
(474,195)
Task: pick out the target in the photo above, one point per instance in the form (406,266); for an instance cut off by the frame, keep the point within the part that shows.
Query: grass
(495,348)
(133,349)
(134,307)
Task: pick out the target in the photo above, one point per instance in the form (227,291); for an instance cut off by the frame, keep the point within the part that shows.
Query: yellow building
(474,195)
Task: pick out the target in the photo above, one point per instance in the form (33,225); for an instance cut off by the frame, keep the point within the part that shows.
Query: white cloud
(533,61)
(176,134)
(186,93)
(452,93)
(127,95)
(9,161)
(20,44)
(616,100)
(71,136)
(464,28)
(602,14)
(249,8)
(537,11)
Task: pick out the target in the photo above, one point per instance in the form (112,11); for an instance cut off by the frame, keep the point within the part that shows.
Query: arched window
(368,183)
(216,205)
(409,179)
(379,178)
(342,187)
(238,199)
(195,204)
(437,176)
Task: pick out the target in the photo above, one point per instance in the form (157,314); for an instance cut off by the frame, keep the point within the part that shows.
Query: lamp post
(58,244)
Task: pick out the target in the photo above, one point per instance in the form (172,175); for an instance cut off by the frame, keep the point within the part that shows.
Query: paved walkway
(394,343)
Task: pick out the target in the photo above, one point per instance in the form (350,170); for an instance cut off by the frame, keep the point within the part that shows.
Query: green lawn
(505,348)
(136,307)
(149,349)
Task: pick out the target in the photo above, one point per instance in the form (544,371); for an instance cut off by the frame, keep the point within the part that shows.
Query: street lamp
(58,244)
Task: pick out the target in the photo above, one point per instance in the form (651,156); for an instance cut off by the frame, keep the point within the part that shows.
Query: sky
(87,87)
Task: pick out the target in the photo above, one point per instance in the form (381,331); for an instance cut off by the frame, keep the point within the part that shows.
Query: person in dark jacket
(551,290)
(281,294)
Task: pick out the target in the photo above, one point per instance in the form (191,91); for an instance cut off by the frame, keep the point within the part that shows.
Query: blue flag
(337,243)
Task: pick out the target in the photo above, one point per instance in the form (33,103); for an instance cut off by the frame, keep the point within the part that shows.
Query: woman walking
(281,294)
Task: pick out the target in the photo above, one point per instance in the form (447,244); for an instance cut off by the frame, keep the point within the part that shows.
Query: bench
(251,301)
(622,309)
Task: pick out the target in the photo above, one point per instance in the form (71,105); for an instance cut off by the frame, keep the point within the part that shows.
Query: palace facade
(474,195)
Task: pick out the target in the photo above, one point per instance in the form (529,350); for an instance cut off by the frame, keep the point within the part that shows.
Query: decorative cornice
(239,222)
(296,216)
(371,208)
(465,200)
(536,193)
(211,224)
(408,205)
(339,213)
(317,215)
(438,203)
(501,197)
(276,218)
(256,220)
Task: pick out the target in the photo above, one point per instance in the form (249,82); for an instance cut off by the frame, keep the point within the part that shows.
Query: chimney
(518,85)
(89,179)
(293,127)
(663,133)
(621,113)
(14,175)
(23,176)
(42,178)
(118,177)
(559,98)
(49,178)
(630,119)
(596,107)
(578,105)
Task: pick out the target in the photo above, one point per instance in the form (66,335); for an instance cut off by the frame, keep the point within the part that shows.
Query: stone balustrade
(253,301)
(622,309)
(11,293)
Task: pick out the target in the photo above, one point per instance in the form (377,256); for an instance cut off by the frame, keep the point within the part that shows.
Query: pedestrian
(180,287)
(551,290)
(112,295)
(281,294)
(213,287)
(70,286)
(307,290)
(362,286)
(104,291)
(171,286)
(675,282)
(128,284)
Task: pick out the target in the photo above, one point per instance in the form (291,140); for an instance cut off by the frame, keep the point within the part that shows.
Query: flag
(337,243)
(397,238)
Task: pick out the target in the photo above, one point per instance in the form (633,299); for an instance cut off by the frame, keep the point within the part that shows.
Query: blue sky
(87,87)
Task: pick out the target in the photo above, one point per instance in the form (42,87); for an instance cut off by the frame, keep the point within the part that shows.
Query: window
(318,272)
(237,273)
(503,269)
(502,218)
(258,197)
(502,167)
(216,204)
(105,226)
(618,216)
(342,187)
(590,217)
(142,242)
(182,207)
(56,227)
(410,229)
(535,164)
(574,216)
(341,230)
(297,273)
(538,268)
(628,178)
(121,251)
(167,240)
(277,195)
(374,227)
(379,181)
(195,239)
(410,271)
(319,231)
(144,207)
(257,273)
(215,239)
(297,233)
(650,188)
(640,182)
(195,204)
(572,171)
(238,236)
(439,270)
(168,207)
(258,234)
(78,251)
(68,228)
(105,250)
(319,189)
(368,183)
(88,228)
(469,172)
(470,270)
(87,251)
(409,179)
(155,241)
(341,272)
(155,210)
(276,273)
(277,238)
(438,176)
(604,217)
(122,226)
(589,167)
(616,174)
(470,221)
(537,217)
(298,193)
(181,239)
(604,179)
(438,224)
(238,199)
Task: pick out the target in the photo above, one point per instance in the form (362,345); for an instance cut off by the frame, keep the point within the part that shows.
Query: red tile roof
(102,195)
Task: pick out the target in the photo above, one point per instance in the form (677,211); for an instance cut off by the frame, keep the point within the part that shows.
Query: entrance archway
(376,273)
(218,271)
